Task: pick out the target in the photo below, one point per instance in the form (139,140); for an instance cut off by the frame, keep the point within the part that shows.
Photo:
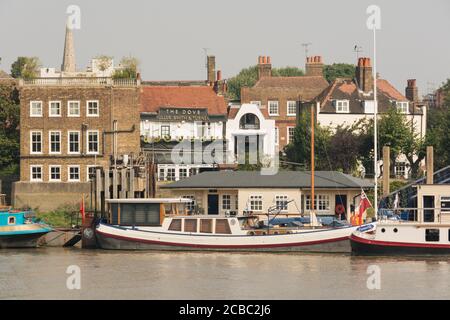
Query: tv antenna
(357,49)
(306,45)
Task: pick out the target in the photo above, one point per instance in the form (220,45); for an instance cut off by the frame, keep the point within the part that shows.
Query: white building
(248,129)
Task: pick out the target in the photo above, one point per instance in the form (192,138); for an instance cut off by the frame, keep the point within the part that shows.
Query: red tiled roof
(155,97)
(292,82)
(388,89)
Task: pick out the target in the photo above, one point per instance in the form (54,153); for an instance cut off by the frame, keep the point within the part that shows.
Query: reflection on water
(41,274)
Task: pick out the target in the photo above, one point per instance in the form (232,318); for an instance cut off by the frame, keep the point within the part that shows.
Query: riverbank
(41,274)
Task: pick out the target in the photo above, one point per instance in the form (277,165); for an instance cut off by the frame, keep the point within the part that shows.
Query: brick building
(281,96)
(69,128)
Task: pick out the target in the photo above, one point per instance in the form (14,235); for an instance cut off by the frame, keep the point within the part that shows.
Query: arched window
(249,121)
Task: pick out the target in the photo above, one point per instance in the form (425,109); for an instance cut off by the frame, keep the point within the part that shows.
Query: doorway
(213,204)
(341,200)
(428,215)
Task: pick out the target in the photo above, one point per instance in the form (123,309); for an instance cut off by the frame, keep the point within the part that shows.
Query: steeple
(68,64)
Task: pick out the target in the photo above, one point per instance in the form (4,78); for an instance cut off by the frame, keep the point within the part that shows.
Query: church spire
(68,64)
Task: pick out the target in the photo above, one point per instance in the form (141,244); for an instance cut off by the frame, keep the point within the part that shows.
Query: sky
(169,36)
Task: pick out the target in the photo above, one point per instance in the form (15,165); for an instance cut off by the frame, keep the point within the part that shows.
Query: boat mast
(375,131)
(312,214)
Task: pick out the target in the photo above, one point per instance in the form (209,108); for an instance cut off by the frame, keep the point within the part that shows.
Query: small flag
(82,211)
(364,204)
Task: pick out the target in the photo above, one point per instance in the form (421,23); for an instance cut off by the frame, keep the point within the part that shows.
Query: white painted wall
(266,131)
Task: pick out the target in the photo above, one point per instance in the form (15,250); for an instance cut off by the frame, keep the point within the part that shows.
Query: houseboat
(167,224)
(19,229)
(423,229)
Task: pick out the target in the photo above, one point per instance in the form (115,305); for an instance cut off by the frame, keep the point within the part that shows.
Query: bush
(62,217)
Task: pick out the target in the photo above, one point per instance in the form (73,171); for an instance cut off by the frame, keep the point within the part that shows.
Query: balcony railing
(80,81)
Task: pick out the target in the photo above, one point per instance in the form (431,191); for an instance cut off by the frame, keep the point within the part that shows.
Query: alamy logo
(374,19)
(374,279)
(73,281)
(74,18)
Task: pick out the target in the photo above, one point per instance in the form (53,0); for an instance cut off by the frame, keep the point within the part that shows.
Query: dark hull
(373,249)
(20,240)
(112,243)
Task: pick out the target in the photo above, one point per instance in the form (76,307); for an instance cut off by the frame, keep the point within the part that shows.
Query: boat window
(190,225)
(448,234)
(432,235)
(175,225)
(222,226)
(11,220)
(206,225)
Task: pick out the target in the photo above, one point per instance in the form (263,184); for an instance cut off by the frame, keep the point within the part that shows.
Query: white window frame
(295,108)
(50,114)
(87,108)
(280,198)
(319,200)
(287,134)
(50,173)
(399,173)
(190,205)
(13,222)
(278,108)
(87,170)
(31,109)
(68,173)
(166,175)
(68,142)
(87,142)
(256,197)
(342,106)
(228,201)
(31,172)
(68,109)
(50,142)
(31,142)
(179,173)
(402,107)
(258,103)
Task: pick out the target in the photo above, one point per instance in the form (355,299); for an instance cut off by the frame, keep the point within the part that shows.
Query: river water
(41,274)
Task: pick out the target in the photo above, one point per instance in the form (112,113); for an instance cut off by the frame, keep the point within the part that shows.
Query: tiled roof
(283,179)
(307,86)
(4,75)
(155,97)
(347,89)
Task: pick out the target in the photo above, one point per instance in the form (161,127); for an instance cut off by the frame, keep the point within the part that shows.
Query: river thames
(42,274)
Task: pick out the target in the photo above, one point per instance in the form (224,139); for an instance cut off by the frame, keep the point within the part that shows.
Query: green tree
(299,150)
(338,70)
(344,149)
(128,69)
(287,72)
(25,67)
(9,127)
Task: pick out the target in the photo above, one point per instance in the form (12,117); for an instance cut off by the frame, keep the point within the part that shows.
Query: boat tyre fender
(340,209)
(251,233)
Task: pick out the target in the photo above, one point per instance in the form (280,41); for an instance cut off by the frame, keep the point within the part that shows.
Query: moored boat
(162,224)
(425,230)
(18,229)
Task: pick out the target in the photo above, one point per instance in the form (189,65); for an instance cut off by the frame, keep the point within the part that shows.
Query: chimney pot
(219,75)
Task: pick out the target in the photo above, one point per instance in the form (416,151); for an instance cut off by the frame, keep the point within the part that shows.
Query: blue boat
(19,229)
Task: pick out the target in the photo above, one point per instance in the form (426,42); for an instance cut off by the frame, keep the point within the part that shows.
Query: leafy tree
(245,78)
(299,150)
(287,72)
(338,70)
(344,149)
(25,67)
(128,69)
(9,126)
(104,62)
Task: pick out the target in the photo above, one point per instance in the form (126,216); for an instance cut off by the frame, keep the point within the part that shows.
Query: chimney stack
(211,69)
(264,67)
(364,76)
(219,75)
(411,91)
(314,66)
